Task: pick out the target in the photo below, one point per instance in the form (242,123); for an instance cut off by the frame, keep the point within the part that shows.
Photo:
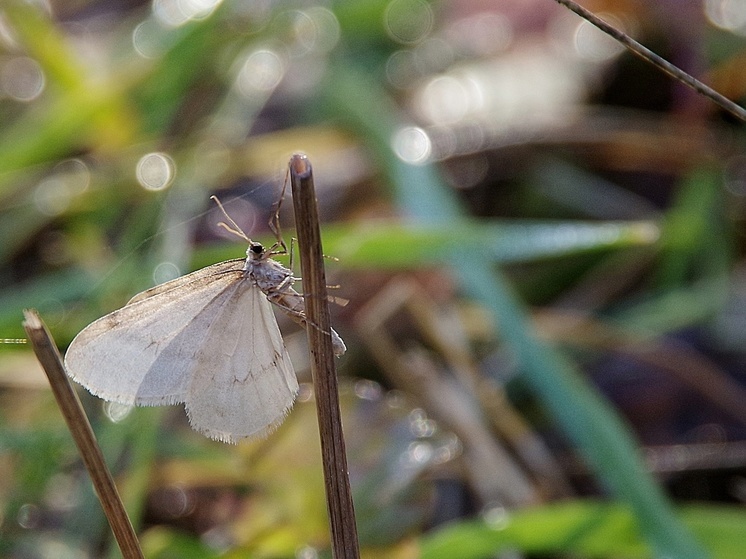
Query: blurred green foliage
(580,528)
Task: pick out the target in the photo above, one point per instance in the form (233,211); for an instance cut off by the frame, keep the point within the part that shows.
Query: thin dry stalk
(69,404)
(657,61)
(323,366)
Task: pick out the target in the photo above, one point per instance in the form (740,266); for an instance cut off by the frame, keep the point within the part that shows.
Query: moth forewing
(203,274)
(211,342)
(243,382)
(139,354)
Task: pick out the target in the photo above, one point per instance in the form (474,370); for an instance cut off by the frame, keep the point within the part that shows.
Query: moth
(208,339)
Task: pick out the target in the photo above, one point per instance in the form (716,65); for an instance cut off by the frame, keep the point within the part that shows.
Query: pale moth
(208,339)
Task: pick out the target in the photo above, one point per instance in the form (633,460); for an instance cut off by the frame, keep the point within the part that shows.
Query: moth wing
(227,266)
(142,353)
(242,383)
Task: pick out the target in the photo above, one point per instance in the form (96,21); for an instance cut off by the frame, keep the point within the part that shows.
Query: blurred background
(540,235)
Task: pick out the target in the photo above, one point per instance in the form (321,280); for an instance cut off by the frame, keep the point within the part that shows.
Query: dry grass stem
(323,366)
(72,410)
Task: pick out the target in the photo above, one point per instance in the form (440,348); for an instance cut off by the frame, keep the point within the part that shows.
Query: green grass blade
(582,529)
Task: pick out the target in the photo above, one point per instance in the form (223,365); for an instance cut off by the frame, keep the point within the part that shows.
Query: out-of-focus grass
(585,529)
(376,243)
(87,251)
(693,273)
(585,416)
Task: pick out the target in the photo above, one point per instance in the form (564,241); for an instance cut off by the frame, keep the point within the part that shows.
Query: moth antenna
(236,232)
(274,222)
(236,229)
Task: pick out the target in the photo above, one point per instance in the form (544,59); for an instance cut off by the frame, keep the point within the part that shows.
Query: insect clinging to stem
(208,339)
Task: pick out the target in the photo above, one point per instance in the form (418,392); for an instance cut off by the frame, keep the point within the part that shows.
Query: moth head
(256,251)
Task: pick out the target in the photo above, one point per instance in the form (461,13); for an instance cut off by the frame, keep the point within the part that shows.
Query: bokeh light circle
(155,171)
(408,21)
(22,78)
(261,72)
(413,145)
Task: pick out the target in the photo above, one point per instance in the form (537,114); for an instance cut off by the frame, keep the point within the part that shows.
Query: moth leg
(285,287)
(293,240)
(291,303)
(296,311)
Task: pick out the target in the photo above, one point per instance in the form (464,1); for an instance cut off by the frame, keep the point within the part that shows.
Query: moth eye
(257,249)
